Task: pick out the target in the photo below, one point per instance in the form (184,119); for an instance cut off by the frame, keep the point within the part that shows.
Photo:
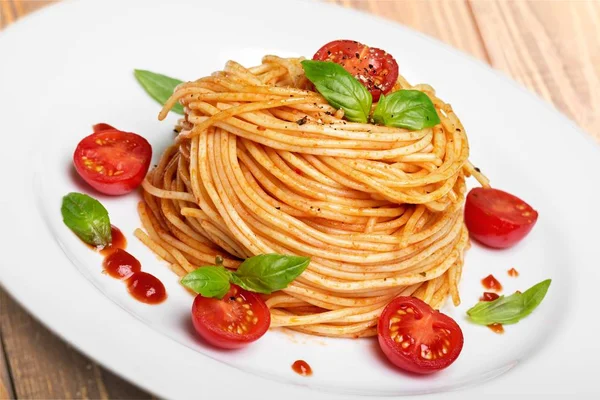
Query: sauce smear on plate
(119,264)
(491,283)
(118,242)
(496,328)
(301,367)
(146,288)
(489,296)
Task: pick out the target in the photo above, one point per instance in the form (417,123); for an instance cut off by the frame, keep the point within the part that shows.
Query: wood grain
(451,21)
(551,47)
(6,386)
(11,10)
(45,367)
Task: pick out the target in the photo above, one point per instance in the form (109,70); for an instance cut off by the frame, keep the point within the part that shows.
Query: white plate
(70,66)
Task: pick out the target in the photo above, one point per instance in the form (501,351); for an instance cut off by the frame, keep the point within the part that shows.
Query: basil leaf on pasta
(340,89)
(210,281)
(267,273)
(159,87)
(408,109)
(509,309)
(87,218)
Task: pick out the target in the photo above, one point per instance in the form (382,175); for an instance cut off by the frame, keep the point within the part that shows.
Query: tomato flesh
(112,161)
(417,338)
(239,318)
(373,67)
(497,218)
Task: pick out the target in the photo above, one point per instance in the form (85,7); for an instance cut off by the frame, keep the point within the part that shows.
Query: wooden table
(551,47)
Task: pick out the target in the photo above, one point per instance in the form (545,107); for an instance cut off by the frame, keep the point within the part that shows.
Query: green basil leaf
(511,309)
(340,89)
(408,109)
(267,273)
(87,218)
(159,87)
(210,281)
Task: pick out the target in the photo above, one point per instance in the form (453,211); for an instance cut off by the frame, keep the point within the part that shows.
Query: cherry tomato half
(373,67)
(239,318)
(417,338)
(498,219)
(112,161)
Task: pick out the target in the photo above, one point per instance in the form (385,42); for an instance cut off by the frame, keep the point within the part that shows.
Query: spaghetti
(262,164)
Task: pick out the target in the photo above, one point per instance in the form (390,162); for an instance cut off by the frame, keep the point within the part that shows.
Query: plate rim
(27,303)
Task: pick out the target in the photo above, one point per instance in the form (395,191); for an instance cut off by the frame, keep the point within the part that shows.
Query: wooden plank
(7,13)
(45,367)
(551,47)
(11,10)
(450,21)
(24,7)
(6,386)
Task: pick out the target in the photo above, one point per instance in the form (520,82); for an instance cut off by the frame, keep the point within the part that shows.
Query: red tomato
(101,127)
(112,161)
(239,318)
(373,67)
(498,219)
(417,338)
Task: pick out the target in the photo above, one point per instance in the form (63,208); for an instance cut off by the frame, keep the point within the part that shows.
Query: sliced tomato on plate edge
(112,161)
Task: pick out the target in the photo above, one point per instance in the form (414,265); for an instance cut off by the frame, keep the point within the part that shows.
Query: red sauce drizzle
(489,296)
(118,242)
(301,367)
(120,264)
(513,272)
(496,328)
(491,283)
(146,288)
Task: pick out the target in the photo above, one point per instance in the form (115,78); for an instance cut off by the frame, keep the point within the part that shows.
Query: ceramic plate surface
(70,66)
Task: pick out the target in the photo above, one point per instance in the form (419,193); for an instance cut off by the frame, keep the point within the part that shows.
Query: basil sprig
(340,89)
(265,273)
(408,109)
(159,87)
(268,273)
(511,309)
(211,281)
(87,218)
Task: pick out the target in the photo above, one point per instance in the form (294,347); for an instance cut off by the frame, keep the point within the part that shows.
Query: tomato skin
(112,161)
(212,317)
(497,218)
(102,127)
(408,339)
(374,68)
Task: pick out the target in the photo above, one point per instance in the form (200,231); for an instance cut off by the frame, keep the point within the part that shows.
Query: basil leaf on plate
(340,89)
(408,109)
(210,281)
(159,87)
(509,309)
(87,218)
(267,273)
